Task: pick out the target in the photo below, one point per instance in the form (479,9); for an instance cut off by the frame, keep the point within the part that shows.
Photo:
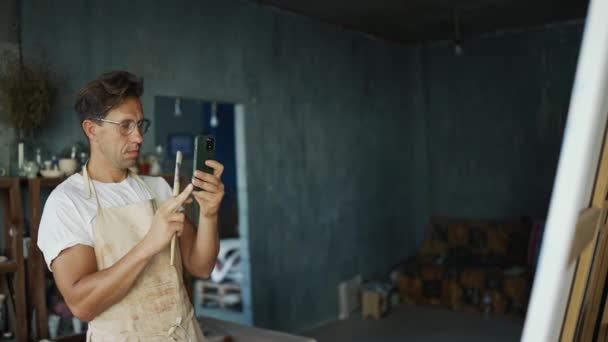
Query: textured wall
(495,119)
(8,43)
(8,27)
(351,143)
(329,127)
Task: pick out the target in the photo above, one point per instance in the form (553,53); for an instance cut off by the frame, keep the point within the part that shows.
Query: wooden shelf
(50,182)
(72,338)
(6,182)
(36,264)
(9,266)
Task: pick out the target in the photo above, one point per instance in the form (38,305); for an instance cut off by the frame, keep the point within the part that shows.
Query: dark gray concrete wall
(8,44)
(495,120)
(330,128)
(8,22)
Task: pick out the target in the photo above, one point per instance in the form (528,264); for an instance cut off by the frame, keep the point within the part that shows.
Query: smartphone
(204,149)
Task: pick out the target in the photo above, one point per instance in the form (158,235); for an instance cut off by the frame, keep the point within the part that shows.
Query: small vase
(20,153)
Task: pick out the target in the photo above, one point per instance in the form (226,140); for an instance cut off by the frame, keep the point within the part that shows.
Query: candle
(20,157)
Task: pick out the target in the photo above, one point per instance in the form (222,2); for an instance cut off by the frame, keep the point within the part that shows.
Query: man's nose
(136,136)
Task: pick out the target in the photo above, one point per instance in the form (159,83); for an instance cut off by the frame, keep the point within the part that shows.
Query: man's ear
(90,128)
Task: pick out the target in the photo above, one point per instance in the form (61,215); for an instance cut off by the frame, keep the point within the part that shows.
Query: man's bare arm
(89,292)
(200,247)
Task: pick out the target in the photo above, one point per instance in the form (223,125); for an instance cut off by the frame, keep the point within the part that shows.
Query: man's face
(121,151)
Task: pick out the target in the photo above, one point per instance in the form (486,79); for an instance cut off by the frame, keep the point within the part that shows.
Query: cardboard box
(374,303)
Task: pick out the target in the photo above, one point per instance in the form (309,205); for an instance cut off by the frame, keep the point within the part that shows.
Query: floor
(425,324)
(223,314)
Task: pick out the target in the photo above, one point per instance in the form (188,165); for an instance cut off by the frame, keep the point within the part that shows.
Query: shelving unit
(36,265)
(13,269)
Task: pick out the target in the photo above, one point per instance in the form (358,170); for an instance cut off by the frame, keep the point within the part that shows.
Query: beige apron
(157,307)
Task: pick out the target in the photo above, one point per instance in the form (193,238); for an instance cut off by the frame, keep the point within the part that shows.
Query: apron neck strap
(89,189)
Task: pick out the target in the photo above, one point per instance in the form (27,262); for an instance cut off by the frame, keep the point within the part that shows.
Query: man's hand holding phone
(210,197)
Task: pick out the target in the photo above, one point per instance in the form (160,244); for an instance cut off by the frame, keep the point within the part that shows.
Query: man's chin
(129,163)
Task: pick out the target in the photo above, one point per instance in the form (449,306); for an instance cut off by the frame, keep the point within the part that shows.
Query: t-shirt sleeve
(164,191)
(61,227)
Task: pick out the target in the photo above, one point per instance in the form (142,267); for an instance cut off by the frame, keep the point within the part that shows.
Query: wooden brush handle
(175,193)
(173,249)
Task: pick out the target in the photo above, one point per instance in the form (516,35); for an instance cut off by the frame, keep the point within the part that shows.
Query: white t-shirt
(68,218)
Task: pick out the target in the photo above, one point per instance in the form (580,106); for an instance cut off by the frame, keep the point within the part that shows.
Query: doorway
(177,120)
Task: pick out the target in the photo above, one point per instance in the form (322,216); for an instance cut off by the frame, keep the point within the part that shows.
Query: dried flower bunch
(25,93)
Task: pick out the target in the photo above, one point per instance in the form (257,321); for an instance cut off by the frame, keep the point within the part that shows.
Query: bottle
(487,305)
(83,158)
(21,159)
(39,158)
(160,153)
(155,168)
(55,163)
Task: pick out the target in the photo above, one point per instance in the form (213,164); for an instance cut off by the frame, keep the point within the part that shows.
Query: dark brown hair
(106,92)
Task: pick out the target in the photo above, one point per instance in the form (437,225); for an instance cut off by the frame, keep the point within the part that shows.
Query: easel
(568,300)
(590,246)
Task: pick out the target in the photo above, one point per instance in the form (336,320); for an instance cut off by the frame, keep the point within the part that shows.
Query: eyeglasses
(128,126)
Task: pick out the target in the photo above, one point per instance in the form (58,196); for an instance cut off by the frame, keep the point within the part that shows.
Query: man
(105,231)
